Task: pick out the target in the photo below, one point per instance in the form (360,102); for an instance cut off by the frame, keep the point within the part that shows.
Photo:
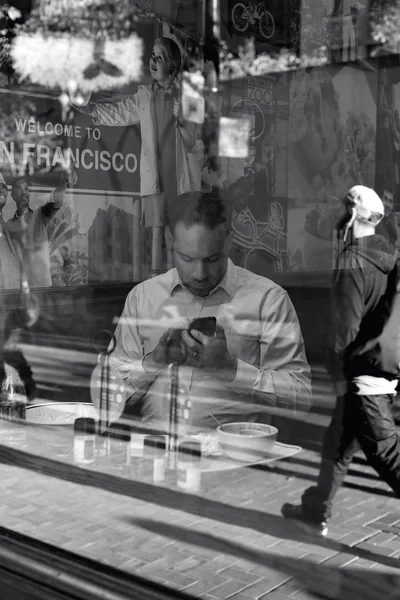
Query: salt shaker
(189,466)
(12,414)
(84,440)
(155,452)
(120,439)
(137,454)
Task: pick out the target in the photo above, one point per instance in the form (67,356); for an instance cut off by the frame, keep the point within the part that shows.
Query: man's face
(387,200)
(201,256)
(3,196)
(20,194)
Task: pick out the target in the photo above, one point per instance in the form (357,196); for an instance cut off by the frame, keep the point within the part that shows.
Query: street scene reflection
(199,297)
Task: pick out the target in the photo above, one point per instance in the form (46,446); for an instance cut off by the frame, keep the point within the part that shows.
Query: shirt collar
(227,283)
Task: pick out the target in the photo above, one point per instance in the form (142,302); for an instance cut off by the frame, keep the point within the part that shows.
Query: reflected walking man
(364,361)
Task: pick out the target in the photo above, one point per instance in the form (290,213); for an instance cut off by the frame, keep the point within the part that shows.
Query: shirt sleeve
(127,357)
(117,114)
(283,375)
(189,134)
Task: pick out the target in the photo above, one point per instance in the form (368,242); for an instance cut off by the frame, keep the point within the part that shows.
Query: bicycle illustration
(246,15)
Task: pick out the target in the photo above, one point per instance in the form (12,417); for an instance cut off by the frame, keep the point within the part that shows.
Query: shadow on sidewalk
(351,472)
(274,526)
(322,581)
(312,477)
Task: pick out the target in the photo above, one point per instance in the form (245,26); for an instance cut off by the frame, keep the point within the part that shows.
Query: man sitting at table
(256,358)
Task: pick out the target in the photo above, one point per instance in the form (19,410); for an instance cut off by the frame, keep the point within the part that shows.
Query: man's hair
(210,209)
(171,53)
(16,181)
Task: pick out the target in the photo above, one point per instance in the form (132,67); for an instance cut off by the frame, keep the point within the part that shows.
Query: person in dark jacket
(362,366)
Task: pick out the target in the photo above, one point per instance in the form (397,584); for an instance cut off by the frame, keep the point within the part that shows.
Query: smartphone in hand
(206,326)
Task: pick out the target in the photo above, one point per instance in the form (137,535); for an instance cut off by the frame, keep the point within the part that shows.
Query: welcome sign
(36,142)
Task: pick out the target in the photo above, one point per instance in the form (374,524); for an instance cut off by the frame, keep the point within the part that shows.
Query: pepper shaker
(137,455)
(120,439)
(189,466)
(84,440)
(155,451)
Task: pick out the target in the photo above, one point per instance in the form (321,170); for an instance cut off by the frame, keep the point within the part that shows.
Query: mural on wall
(252,18)
(110,245)
(68,249)
(347,29)
(387,181)
(388,135)
(258,184)
(260,244)
(37,143)
(310,28)
(332,132)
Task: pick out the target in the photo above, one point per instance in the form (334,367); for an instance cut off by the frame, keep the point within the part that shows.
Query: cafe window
(278,109)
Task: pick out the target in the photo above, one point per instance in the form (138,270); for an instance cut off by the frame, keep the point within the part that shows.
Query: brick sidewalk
(231,542)
(246,551)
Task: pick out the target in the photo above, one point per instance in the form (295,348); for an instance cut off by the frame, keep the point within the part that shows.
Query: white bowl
(247,442)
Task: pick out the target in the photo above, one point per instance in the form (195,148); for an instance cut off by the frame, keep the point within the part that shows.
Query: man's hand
(161,355)
(69,177)
(210,353)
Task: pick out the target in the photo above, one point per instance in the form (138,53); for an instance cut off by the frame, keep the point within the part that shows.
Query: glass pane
(181,184)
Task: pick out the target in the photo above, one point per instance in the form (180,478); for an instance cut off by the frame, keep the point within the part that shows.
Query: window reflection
(167,248)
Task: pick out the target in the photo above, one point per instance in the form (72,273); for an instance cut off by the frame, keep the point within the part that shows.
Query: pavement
(230,541)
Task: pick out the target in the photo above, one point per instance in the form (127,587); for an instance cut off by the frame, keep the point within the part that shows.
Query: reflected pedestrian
(9,265)
(28,227)
(364,361)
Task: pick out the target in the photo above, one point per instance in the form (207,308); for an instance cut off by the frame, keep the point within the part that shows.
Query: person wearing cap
(9,265)
(365,385)
(28,227)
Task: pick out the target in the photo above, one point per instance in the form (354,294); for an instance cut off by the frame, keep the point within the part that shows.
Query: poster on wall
(91,237)
(36,142)
(347,29)
(258,183)
(267,21)
(332,133)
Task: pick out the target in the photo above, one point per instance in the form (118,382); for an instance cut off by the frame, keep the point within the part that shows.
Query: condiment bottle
(137,454)
(155,454)
(120,439)
(84,440)
(12,414)
(189,466)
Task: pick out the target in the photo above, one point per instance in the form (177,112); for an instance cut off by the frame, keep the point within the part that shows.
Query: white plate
(212,464)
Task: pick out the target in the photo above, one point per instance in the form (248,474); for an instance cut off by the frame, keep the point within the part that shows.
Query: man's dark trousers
(364,422)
